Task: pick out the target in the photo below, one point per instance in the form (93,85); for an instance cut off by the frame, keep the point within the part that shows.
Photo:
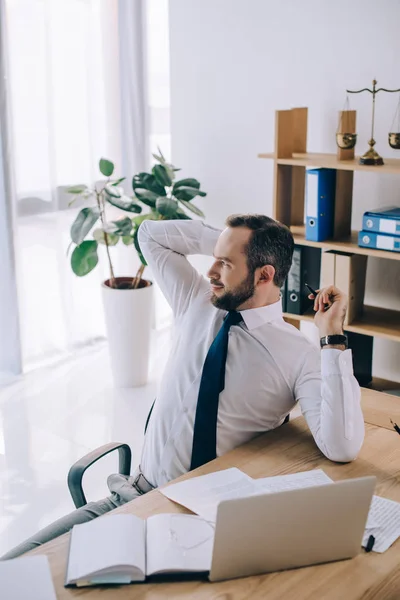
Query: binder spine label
(384,242)
(388,226)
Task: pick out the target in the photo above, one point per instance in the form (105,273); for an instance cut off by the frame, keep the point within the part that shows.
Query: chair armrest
(77,470)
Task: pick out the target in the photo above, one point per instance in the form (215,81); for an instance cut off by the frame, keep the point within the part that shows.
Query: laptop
(290,529)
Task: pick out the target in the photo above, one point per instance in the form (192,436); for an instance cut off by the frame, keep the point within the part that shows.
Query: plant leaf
(123,226)
(137,247)
(180,214)
(83,223)
(162,175)
(147,181)
(77,189)
(119,181)
(99,236)
(146,217)
(169,168)
(106,167)
(113,191)
(127,240)
(167,207)
(146,196)
(187,193)
(158,158)
(125,203)
(190,182)
(84,258)
(192,208)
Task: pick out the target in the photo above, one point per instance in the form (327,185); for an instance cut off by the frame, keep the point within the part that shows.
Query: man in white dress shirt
(270,365)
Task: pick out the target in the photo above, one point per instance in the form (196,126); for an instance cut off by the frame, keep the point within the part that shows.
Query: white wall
(234,62)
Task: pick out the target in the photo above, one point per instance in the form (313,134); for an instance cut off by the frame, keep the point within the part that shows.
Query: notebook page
(26,577)
(203,494)
(386,513)
(107,543)
(177,543)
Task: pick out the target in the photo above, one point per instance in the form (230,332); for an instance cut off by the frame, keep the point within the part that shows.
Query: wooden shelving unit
(330,161)
(374,321)
(290,162)
(348,244)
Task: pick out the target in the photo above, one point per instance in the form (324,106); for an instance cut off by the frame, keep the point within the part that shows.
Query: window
(158,75)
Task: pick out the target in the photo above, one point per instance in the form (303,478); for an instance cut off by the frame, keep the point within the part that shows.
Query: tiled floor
(52,417)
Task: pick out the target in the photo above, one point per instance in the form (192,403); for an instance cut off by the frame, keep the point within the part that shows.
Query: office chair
(77,470)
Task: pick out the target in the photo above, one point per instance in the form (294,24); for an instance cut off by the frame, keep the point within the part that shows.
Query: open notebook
(123,548)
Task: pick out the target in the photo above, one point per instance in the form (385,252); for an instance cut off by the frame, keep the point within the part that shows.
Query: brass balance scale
(347,141)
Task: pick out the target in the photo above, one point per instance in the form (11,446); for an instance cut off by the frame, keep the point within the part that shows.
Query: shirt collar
(255,317)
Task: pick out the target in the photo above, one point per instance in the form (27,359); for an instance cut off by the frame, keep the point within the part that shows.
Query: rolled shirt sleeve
(329,397)
(165,246)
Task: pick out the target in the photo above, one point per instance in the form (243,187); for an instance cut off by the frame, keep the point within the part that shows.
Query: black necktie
(211,385)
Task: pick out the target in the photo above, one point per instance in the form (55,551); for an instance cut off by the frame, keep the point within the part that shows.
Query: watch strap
(334,340)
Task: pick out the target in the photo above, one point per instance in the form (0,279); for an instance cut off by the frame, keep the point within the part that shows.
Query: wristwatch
(334,340)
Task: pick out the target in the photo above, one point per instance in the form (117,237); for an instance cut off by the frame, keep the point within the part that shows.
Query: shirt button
(164,474)
(185,410)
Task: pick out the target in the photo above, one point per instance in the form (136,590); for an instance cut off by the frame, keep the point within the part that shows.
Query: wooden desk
(286,450)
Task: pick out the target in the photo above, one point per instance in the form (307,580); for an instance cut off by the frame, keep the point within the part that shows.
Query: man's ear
(266,275)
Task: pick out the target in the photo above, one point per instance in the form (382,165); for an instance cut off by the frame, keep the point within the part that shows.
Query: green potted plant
(113,217)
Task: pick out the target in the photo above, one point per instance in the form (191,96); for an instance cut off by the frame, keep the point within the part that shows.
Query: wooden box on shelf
(348,273)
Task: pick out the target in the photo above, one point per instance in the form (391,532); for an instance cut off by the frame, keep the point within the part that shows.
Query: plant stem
(138,277)
(101,209)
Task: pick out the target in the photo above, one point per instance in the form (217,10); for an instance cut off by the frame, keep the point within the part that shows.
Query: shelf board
(349,244)
(383,385)
(330,161)
(380,322)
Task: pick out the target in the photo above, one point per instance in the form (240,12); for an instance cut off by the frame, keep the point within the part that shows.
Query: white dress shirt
(270,366)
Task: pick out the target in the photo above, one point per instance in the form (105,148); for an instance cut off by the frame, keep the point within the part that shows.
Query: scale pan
(394,140)
(347,141)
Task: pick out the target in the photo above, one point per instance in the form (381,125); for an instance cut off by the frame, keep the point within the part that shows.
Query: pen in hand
(326,306)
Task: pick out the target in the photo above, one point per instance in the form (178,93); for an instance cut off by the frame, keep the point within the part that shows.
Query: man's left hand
(330,305)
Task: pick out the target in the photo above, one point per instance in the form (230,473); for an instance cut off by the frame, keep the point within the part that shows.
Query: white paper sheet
(203,494)
(294,481)
(386,514)
(178,543)
(25,578)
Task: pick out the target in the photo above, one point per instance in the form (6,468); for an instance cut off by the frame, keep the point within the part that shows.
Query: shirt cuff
(209,239)
(336,362)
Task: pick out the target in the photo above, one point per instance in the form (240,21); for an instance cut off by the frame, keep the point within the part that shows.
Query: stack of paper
(203,494)
(386,516)
(26,578)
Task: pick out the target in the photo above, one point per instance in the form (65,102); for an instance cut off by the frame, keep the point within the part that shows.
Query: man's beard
(237,296)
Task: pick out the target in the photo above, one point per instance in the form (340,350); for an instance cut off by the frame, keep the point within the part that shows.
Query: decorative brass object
(345,134)
(394,140)
(371,157)
(346,141)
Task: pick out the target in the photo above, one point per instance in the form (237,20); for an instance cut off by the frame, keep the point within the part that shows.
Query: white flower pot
(128,315)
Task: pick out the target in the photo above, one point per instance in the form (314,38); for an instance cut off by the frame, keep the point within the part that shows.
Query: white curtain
(10,350)
(78,91)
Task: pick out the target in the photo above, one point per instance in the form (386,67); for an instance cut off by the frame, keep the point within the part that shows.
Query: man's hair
(271,243)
